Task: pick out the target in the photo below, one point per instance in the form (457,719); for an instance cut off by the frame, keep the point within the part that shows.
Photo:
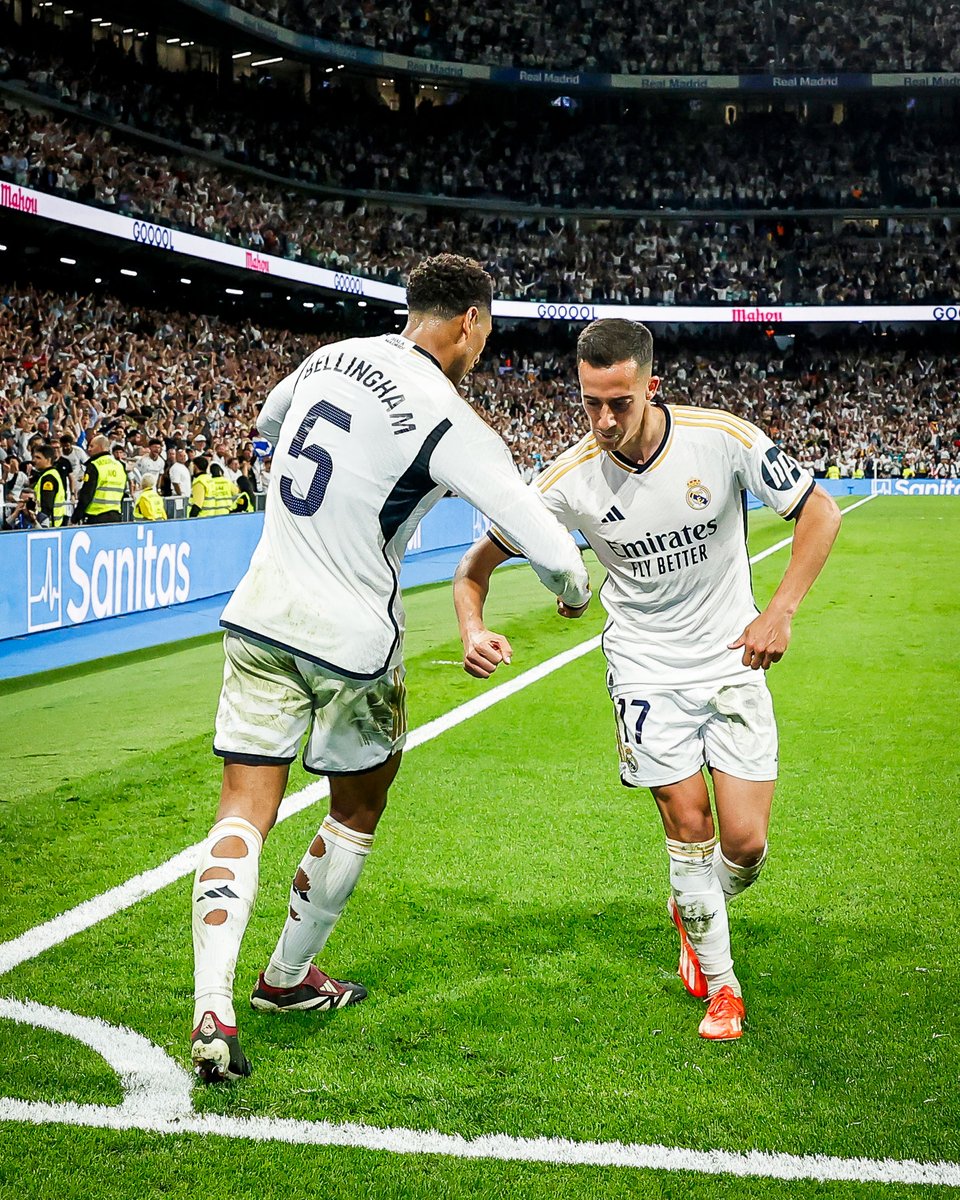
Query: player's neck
(647,442)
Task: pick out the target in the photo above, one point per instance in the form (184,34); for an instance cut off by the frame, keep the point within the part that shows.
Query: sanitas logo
(125,579)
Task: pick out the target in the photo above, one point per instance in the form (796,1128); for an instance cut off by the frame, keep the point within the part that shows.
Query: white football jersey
(369,435)
(672,535)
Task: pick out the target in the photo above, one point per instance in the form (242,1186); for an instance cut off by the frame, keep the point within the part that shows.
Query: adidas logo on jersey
(613,515)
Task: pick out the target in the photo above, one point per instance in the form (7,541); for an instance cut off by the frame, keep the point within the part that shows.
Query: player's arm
(479,468)
(766,638)
(483,650)
(275,407)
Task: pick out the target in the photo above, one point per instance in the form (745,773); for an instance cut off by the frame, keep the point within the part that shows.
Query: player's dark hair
(447,285)
(614,340)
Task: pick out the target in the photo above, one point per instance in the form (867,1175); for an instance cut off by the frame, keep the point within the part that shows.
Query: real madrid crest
(698,494)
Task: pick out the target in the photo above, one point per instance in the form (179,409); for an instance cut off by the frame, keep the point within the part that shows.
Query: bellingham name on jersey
(370,434)
(370,375)
(671,533)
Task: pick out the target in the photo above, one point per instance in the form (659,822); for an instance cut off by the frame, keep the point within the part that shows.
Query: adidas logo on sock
(223,893)
(613,515)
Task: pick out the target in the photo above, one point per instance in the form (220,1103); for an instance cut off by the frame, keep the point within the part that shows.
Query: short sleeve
(773,476)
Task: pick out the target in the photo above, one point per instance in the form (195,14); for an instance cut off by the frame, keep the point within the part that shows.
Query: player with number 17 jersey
(671,533)
(369,435)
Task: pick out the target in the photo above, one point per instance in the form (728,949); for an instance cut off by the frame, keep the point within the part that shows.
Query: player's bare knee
(747,850)
(361,815)
(693,831)
(217,917)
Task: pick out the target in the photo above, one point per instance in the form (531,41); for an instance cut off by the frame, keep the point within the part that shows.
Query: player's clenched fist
(484,651)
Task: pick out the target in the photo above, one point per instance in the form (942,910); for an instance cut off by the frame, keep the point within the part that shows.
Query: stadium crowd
(550,257)
(346,139)
(168,390)
(671,37)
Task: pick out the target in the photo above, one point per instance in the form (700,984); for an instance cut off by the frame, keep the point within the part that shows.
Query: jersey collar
(635,468)
(427,354)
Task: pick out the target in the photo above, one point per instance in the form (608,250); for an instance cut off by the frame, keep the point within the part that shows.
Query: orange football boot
(689,971)
(724,1019)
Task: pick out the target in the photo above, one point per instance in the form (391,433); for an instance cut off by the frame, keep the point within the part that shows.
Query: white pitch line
(154,1085)
(91,912)
(497,1146)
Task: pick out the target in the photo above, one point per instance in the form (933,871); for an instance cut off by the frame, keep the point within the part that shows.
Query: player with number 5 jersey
(659,493)
(370,433)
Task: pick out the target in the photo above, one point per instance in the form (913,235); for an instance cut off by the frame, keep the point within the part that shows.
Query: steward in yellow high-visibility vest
(104,482)
(49,487)
(833,471)
(223,490)
(149,505)
(203,499)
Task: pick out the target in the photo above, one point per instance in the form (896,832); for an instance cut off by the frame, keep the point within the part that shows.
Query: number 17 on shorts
(665,737)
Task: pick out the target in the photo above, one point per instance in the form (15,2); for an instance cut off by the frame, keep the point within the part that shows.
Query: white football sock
(224,889)
(321,888)
(735,879)
(703,910)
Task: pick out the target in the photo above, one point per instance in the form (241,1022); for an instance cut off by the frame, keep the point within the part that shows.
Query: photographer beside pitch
(370,433)
(658,491)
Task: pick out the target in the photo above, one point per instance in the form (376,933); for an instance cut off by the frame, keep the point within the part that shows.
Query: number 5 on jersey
(307,505)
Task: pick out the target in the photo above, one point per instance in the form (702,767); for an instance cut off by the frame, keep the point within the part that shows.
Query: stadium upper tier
(669,37)
(549,258)
(81,364)
(659,157)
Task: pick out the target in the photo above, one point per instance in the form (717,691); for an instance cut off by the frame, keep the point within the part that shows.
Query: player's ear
(653,386)
(470,319)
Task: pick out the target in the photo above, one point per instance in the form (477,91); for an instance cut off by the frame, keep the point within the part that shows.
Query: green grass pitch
(510,922)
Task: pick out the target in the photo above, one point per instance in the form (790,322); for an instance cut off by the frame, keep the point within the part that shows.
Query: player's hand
(484,651)
(565,610)
(764,641)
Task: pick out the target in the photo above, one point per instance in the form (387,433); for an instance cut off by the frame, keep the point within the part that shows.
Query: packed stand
(656,159)
(667,38)
(165,390)
(173,396)
(550,258)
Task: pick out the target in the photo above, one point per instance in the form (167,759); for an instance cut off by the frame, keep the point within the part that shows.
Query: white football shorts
(664,737)
(271,698)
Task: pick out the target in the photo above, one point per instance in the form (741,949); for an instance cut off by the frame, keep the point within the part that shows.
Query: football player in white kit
(658,491)
(370,433)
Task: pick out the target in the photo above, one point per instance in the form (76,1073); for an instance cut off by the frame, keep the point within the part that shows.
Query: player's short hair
(614,340)
(447,285)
